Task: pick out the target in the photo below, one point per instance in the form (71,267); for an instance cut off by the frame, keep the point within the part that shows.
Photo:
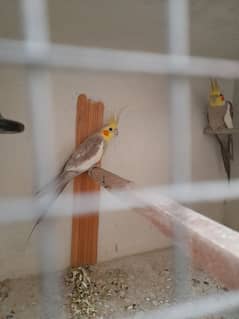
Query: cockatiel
(220,116)
(87,154)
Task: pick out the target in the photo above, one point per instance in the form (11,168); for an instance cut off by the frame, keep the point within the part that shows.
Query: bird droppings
(117,289)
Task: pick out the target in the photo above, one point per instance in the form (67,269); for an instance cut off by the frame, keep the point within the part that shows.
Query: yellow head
(110,130)
(216,98)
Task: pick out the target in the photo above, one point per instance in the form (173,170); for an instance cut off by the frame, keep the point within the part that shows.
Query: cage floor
(146,283)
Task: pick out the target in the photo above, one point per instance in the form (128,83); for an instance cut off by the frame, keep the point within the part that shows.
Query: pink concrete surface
(214,247)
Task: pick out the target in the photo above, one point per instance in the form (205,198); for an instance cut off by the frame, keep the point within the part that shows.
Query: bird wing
(225,152)
(90,149)
(229,103)
(85,156)
(216,117)
(228,115)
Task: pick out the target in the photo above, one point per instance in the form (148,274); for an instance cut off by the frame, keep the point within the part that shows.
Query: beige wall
(140,153)
(133,25)
(134,154)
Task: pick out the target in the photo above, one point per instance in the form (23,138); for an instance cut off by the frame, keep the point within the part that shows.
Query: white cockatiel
(220,116)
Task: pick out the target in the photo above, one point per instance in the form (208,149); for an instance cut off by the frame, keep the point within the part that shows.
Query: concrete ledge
(214,247)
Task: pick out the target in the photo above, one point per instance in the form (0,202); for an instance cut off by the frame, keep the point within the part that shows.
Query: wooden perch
(214,247)
(114,182)
(108,180)
(85,227)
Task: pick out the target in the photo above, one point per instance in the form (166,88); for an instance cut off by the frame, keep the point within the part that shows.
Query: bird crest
(215,89)
(115,118)
(114,121)
(216,98)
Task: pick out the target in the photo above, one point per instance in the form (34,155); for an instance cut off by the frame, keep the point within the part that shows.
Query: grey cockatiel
(88,154)
(220,116)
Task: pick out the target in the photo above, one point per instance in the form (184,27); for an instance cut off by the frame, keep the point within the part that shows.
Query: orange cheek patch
(106,133)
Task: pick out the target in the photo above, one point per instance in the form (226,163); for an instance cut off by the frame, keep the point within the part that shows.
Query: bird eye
(110,129)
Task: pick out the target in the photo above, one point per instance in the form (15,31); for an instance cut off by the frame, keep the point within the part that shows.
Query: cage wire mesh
(38,53)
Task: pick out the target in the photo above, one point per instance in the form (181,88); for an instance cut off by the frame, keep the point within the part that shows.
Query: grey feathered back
(216,117)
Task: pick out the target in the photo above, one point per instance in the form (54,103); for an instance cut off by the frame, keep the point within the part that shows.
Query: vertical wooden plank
(85,227)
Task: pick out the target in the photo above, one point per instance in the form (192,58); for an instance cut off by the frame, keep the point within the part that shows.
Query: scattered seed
(86,293)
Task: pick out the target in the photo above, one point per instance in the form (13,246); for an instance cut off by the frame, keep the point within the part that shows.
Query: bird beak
(116,132)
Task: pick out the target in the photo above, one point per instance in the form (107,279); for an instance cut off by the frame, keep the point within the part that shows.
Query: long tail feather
(52,190)
(230,147)
(224,142)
